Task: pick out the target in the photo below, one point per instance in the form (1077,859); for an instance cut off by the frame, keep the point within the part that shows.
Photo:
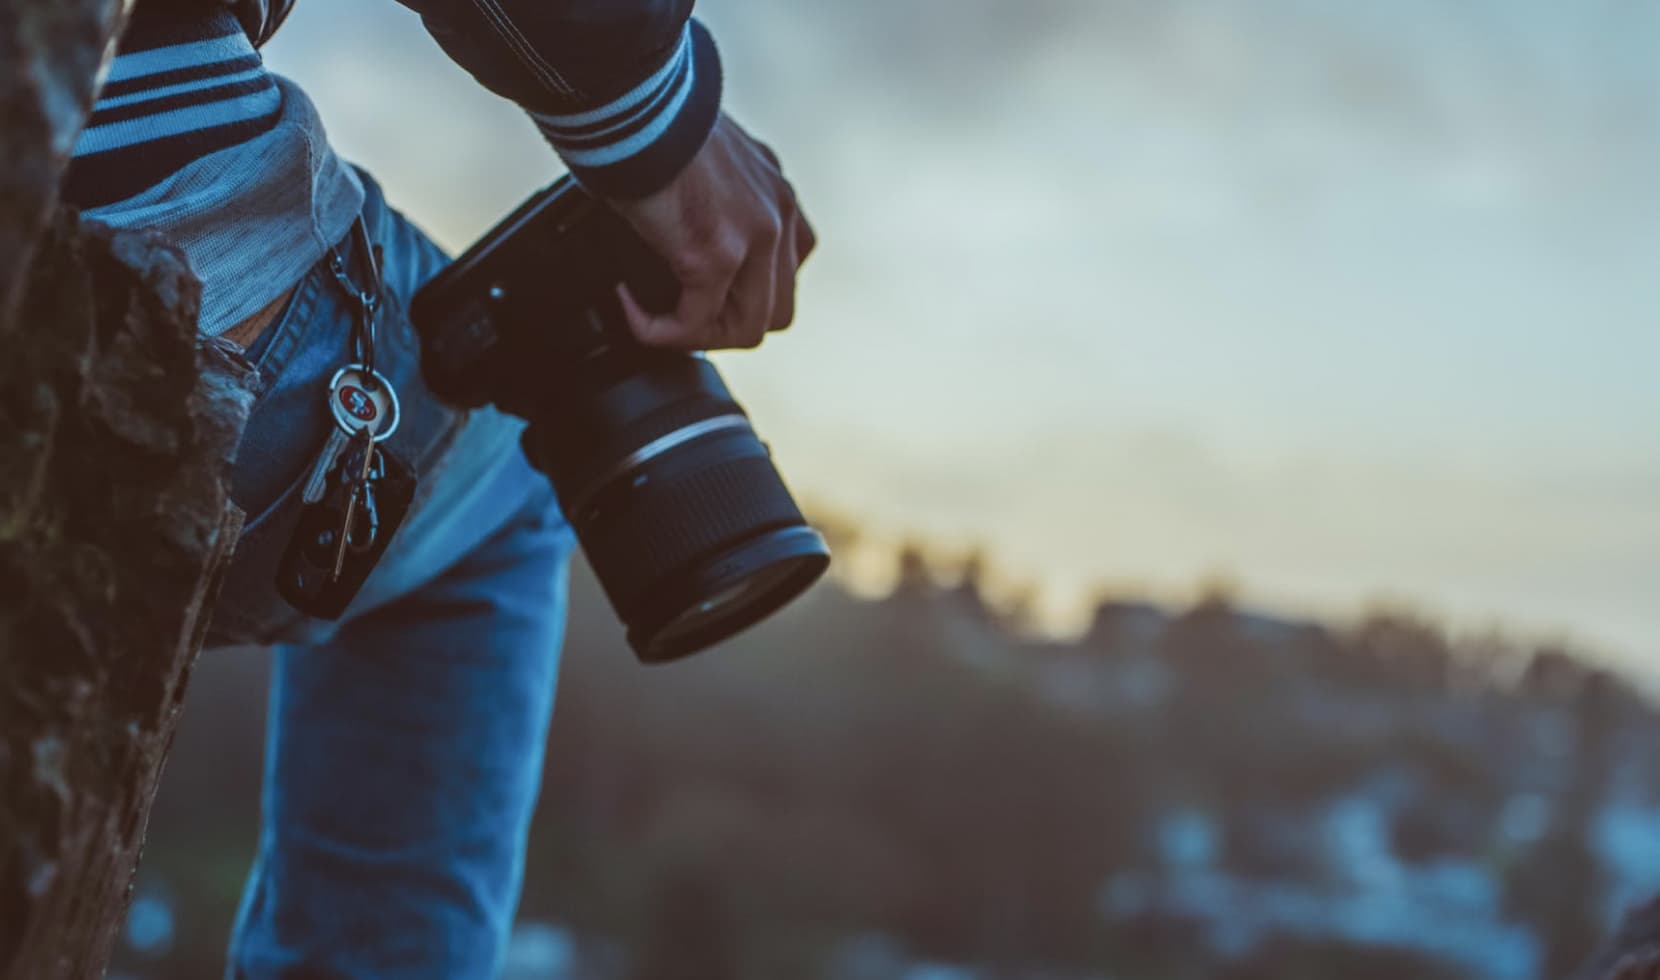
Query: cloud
(1349,298)
(1477,100)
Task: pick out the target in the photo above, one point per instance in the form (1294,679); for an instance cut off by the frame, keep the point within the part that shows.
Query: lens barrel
(675,499)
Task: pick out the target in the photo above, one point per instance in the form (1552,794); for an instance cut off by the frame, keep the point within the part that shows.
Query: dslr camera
(675,499)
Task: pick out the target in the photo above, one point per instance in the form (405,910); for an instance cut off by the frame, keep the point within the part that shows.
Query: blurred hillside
(907,789)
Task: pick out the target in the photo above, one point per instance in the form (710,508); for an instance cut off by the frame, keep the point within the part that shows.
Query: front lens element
(778,566)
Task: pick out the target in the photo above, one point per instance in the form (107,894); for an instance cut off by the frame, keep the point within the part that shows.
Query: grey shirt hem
(253,218)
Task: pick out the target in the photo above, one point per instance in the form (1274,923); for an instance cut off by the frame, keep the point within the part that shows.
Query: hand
(731,231)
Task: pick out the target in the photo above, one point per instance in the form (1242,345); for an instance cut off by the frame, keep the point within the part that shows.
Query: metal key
(355,405)
(356,469)
(318,482)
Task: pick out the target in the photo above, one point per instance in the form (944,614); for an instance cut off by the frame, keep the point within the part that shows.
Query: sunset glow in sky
(1345,301)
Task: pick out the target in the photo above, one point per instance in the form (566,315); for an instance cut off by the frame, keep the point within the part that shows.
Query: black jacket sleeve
(626,91)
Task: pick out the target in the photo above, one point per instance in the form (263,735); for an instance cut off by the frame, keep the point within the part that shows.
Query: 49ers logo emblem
(357,402)
(362,399)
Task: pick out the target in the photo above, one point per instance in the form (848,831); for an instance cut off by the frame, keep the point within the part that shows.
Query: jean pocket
(287,429)
(290,419)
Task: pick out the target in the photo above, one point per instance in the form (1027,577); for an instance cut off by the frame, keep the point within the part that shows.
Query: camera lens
(675,499)
(680,510)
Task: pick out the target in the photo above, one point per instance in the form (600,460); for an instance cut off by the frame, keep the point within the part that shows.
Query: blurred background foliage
(913,786)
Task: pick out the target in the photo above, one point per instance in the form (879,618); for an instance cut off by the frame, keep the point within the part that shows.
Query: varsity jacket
(626,91)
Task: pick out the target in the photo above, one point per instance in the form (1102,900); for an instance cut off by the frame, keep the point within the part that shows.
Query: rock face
(50,52)
(115,434)
(116,430)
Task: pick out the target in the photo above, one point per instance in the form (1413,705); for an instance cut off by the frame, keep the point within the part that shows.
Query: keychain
(356,493)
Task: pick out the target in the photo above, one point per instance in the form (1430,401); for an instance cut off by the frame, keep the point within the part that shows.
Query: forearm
(626,91)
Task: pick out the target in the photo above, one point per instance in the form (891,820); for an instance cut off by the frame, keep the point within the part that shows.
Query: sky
(1349,304)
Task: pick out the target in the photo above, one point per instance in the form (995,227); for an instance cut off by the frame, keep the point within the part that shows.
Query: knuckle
(689,268)
(707,267)
(727,255)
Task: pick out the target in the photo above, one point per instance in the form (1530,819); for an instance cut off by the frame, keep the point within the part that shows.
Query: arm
(628,93)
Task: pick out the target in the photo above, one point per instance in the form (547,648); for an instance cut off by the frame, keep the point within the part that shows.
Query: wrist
(637,143)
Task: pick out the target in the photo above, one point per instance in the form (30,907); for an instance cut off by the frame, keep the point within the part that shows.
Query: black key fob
(320,577)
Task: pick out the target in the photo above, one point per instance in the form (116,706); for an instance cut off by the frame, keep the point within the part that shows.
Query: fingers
(727,309)
(749,311)
(733,234)
(730,310)
(787,261)
(799,242)
(641,324)
(796,242)
(705,289)
(806,239)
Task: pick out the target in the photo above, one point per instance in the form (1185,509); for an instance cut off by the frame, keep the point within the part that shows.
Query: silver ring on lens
(654,449)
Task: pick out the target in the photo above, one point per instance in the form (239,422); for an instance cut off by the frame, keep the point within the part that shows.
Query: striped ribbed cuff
(180,89)
(637,143)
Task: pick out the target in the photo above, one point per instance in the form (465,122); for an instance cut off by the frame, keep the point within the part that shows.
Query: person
(405,740)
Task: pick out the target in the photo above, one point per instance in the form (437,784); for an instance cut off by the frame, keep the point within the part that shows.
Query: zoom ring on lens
(654,449)
(640,537)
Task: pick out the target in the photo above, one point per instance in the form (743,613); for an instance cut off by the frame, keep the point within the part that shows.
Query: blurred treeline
(911,789)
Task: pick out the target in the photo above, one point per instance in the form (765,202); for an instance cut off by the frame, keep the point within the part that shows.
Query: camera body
(530,311)
(675,500)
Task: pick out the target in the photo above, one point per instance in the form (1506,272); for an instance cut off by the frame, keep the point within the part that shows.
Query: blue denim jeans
(405,741)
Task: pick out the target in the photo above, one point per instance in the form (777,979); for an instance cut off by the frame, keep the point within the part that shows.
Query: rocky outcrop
(116,429)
